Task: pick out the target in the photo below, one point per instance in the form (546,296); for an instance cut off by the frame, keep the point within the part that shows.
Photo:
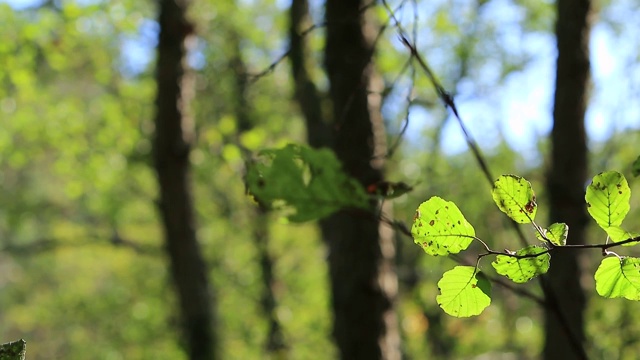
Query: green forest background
(83,269)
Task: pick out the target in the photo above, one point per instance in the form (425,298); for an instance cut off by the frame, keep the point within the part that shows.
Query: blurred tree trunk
(361,248)
(173,138)
(306,92)
(566,179)
(275,343)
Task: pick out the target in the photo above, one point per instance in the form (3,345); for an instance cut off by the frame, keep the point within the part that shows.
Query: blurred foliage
(310,182)
(82,271)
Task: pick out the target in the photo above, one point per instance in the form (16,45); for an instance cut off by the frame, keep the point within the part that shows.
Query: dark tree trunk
(566,180)
(306,92)
(173,137)
(361,249)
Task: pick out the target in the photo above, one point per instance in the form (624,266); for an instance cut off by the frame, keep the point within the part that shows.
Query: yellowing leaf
(617,234)
(556,234)
(515,197)
(521,270)
(440,228)
(617,278)
(608,199)
(464,292)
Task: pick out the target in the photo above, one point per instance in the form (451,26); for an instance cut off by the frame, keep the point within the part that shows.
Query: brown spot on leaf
(432,222)
(531,205)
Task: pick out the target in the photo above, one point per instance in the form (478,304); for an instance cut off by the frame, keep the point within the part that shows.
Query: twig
(449,103)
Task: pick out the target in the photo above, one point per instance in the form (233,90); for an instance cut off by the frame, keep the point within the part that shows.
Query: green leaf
(14,350)
(310,183)
(464,292)
(617,278)
(608,199)
(617,234)
(523,269)
(556,233)
(515,197)
(440,228)
(635,168)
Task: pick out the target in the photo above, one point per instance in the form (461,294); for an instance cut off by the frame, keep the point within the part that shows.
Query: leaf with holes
(521,270)
(608,199)
(15,350)
(619,278)
(464,292)
(515,197)
(308,183)
(556,234)
(440,228)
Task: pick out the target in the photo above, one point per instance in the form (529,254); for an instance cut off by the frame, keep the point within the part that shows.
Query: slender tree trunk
(306,92)
(275,344)
(173,138)
(566,180)
(361,249)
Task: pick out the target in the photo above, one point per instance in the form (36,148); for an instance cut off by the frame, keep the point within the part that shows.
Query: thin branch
(405,125)
(271,67)
(519,291)
(402,228)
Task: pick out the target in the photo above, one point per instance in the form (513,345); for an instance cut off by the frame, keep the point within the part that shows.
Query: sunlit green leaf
(617,278)
(617,234)
(515,197)
(521,270)
(608,199)
(464,292)
(310,182)
(440,228)
(556,234)
(13,351)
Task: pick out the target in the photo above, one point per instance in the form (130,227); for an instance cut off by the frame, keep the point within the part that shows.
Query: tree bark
(306,92)
(361,248)
(172,144)
(566,180)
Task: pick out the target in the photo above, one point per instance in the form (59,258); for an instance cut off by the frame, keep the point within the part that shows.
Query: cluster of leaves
(440,229)
(310,184)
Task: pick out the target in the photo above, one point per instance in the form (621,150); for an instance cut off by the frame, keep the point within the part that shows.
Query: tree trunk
(306,92)
(566,180)
(361,249)
(173,138)
(275,344)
